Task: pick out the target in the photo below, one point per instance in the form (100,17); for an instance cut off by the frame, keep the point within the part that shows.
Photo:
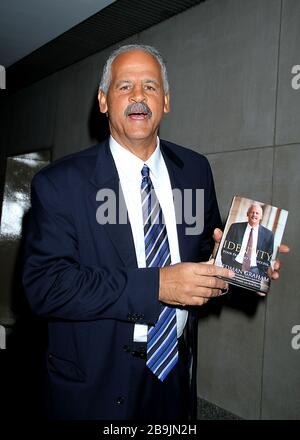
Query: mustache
(138,107)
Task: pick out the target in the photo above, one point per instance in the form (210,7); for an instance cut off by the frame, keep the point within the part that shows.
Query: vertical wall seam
(272,186)
(278,68)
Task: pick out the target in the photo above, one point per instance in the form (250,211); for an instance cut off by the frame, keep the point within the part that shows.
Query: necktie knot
(146,180)
(145,171)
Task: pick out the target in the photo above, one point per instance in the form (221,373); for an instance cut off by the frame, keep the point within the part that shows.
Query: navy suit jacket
(83,277)
(265,243)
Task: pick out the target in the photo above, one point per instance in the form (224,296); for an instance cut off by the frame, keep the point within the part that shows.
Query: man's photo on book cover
(251,238)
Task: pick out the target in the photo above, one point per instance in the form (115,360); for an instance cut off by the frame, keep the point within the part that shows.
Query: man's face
(135,100)
(254,215)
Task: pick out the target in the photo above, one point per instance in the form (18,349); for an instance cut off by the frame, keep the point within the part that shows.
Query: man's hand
(274,273)
(191,283)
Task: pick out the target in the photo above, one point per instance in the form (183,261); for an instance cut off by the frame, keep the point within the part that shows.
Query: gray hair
(106,74)
(255,204)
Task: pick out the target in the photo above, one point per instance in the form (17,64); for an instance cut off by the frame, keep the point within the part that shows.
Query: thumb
(217,236)
(210,261)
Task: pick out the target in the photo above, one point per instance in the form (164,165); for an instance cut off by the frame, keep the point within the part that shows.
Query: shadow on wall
(23,367)
(237,298)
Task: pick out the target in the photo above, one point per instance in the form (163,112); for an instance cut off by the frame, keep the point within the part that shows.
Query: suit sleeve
(58,286)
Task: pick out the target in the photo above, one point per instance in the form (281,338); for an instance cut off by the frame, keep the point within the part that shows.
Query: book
(249,245)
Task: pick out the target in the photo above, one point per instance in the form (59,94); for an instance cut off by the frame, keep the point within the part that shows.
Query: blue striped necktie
(162,350)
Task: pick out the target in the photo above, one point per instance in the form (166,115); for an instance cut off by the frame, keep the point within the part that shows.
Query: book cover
(249,245)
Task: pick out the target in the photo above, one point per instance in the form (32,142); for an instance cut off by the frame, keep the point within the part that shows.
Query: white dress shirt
(240,257)
(129,168)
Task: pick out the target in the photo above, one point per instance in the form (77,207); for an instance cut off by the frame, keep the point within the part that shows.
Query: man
(249,245)
(109,292)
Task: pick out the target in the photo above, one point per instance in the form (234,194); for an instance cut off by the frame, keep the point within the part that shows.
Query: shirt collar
(155,161)
(131,165)
(255,228)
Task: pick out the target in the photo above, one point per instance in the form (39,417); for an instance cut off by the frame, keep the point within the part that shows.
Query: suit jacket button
(126,348)
(120,400)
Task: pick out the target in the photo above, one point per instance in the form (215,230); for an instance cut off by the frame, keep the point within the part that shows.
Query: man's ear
(102,102)
(167,103)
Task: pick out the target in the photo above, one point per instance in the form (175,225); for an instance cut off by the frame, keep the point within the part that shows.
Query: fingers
(192,283)
(211,261)
(196,300)
(199,301)
(207,288)
(217,236)
(206,282)
(283,249)
(274,274)
(210,270)
(261,294)
(211,283)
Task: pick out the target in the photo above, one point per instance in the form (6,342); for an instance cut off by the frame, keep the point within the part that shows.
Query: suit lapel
(175,168)
(242,230)
(260,238)
(105,177)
